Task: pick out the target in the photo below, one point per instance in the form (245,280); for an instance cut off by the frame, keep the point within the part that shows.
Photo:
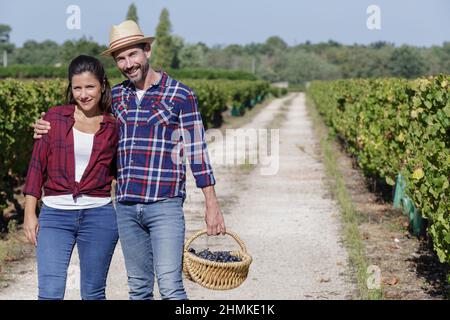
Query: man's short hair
(142,45)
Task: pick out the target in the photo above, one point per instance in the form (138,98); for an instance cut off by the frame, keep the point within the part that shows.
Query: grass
(296,87)
(281,115)
(12,247)
(302,149)
(247,166)
(351,234)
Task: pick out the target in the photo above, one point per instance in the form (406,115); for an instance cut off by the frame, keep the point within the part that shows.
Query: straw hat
(124,35)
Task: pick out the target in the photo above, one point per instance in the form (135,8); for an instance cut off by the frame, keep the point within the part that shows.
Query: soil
(410,270)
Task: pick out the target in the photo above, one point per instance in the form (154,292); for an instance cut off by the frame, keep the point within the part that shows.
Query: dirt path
(288,222)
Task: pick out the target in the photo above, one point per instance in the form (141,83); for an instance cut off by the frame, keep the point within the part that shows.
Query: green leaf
(445,184)
(390,181)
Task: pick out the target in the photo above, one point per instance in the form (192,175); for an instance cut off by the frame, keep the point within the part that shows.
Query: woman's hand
(31,227)
(30,222)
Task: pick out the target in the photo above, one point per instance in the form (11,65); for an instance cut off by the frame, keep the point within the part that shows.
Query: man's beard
(143,69)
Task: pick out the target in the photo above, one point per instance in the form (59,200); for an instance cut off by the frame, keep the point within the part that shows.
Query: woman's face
(87,91)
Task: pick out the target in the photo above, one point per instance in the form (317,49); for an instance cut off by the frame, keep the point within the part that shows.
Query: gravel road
(287,220)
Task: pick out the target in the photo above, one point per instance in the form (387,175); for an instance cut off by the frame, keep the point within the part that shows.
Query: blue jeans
(95,233)
(152,239)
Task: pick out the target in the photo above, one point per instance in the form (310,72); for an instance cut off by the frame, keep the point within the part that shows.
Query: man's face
(133,62)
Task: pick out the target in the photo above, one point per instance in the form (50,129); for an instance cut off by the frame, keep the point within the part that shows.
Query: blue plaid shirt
(157,133)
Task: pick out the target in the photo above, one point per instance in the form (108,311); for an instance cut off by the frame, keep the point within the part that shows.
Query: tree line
(274,60)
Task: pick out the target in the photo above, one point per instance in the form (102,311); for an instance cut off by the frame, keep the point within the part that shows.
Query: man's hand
(40,127)
(213,217)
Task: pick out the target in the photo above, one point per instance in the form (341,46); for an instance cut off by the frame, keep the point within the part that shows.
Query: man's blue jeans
(152,239)
(95,233)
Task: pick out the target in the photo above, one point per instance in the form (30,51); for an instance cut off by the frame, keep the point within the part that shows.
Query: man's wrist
(212,202)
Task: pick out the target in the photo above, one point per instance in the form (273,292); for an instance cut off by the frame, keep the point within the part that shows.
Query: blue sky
(420,23)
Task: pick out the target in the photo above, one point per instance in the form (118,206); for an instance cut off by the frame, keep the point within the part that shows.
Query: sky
(213,22)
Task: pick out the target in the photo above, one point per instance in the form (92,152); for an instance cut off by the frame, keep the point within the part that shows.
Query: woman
(75,164)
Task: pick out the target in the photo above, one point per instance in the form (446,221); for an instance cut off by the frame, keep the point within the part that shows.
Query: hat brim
(110,51)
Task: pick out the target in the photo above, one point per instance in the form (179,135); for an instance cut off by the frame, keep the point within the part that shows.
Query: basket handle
(202,232)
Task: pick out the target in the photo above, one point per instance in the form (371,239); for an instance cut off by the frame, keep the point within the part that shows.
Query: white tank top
(82,144)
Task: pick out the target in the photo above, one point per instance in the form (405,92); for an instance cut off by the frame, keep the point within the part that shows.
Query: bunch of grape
(217,256)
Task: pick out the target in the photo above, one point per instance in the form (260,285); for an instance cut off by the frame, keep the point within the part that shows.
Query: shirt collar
(68,110)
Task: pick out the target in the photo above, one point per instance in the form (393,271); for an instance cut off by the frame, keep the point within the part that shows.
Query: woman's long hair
(84,63)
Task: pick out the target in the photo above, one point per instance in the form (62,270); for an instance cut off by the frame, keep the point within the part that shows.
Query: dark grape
(217,256)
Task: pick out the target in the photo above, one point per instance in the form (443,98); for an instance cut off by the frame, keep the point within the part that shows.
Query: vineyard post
(5,58)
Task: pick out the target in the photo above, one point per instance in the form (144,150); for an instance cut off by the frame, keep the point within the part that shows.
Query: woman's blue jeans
(152,239)
(95,233)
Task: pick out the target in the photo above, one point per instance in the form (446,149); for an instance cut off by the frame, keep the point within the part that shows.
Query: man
(159,124)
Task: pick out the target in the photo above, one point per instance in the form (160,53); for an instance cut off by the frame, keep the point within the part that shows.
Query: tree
(5,45)
(275,45)
(46,53)
(193,56)
(380,44)
(445,58)
(439,55)
(72,48)
(178,45)
(364,62)
(132,13)
(406,62)
(254,48)
(4,33)
(298,67)
(216,58)
(164,49)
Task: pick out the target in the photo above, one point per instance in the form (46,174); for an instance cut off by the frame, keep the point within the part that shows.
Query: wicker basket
(216,275)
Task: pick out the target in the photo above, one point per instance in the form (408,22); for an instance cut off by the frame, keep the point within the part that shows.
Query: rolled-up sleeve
(37,168)
(194,144)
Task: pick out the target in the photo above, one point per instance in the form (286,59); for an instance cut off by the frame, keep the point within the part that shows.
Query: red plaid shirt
(52,163)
